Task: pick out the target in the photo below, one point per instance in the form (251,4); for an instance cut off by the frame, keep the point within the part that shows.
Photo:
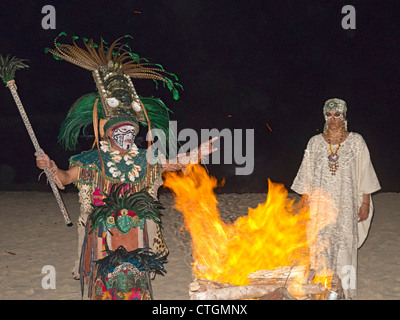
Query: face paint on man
(124,136)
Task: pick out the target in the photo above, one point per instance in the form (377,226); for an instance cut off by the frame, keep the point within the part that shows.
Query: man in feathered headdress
(120,240)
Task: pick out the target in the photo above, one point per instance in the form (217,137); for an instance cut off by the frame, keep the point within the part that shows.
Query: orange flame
(272,235)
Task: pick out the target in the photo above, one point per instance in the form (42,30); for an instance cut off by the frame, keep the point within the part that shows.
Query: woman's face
(334,119)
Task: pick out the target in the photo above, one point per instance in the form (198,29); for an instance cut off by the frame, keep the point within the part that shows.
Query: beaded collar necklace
(116,158)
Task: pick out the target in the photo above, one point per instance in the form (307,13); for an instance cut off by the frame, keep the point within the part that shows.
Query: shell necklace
(333,158)
(117,158)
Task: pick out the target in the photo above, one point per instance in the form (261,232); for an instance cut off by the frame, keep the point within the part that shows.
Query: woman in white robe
(338,163)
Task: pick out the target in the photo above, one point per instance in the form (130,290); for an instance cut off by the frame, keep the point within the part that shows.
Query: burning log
(336,286)
(266,285)
(278,294)
(201,285)
(282,275)
(234,292)
(202,289)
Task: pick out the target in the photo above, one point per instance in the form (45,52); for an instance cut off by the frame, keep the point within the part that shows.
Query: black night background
(263,65)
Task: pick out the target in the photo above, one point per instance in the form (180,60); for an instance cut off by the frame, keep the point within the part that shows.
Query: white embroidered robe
(354,177)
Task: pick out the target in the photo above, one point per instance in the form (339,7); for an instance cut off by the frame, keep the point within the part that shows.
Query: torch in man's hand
(8,66)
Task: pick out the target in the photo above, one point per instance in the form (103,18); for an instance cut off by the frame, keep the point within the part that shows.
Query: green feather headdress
(80,116)
(93,57)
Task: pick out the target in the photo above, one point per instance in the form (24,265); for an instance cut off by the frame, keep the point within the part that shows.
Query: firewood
(280,293)
(311,275)
(284,276)
(336,285)
(200,285)
(234,293)
(280,272)
(251,291)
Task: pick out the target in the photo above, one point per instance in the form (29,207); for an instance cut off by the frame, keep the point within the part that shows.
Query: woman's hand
(363,213)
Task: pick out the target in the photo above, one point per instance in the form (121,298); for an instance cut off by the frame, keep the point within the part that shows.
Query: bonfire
(270,253)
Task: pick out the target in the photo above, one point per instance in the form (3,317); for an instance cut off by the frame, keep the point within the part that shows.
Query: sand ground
(33,235)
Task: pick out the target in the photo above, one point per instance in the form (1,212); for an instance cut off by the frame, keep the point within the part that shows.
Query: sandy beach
(34,235)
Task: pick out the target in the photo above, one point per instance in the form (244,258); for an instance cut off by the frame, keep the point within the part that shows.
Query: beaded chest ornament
(333,158)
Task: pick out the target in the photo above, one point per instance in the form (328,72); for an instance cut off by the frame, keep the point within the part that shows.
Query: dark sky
(262,65)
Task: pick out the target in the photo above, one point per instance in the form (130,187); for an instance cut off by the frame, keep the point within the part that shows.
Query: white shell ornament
(136,106)
(112,102)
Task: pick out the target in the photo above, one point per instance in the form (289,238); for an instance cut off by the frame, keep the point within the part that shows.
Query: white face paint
(336,114)
(124,136)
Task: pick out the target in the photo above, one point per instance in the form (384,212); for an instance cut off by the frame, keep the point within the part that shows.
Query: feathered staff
(8,66)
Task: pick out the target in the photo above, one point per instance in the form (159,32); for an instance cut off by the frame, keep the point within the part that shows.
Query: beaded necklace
(333,158)
(116,158)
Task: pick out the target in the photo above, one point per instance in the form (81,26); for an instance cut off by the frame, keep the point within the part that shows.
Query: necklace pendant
(333,157)
(333,167)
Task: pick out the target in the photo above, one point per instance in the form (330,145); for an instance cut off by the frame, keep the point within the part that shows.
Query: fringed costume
(120,240)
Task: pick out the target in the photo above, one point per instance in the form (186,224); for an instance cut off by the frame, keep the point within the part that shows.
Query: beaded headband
(335,105)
